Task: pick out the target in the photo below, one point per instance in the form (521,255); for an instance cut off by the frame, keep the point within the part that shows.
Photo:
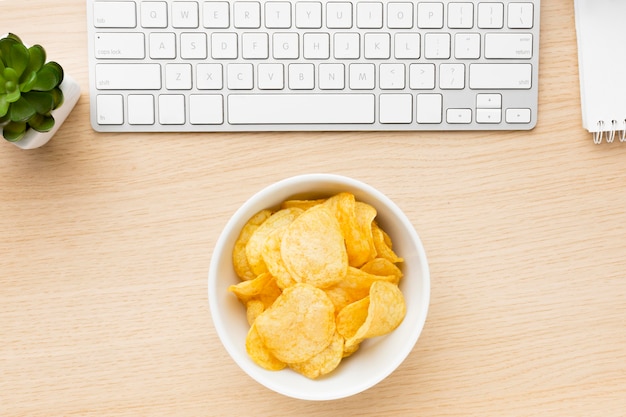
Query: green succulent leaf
(57,96)
(21,110)
(28,80)
(14,54)
(41,101)
(14,131)
(4,106)
(36,59)
(12,93)
(48,77)
(41,122)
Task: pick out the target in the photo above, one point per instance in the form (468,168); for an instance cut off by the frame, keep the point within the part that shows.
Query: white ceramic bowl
(377,357)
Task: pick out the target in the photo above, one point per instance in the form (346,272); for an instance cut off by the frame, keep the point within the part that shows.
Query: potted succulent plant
(35,95)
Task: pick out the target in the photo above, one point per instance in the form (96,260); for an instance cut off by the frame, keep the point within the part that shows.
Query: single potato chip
(254,247)
(313,248)
(385,312)
(259,353)
(358,246)
(383,267)
(262,288)
(253,309)
(240,260)
(302,204)
(383,245)
(351,317)
(299,325)
(324,362)
(273,258)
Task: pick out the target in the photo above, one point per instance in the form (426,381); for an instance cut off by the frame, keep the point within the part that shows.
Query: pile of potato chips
(318,278)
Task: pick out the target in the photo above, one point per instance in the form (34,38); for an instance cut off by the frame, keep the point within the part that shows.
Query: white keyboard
(313,65)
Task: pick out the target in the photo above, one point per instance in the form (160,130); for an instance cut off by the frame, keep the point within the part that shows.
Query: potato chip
(253,309)
(313,248)
(262,288)
(383,245)
(254,247)
(358,246)
(383,267)
(302,204)
(273,258)
(324,362)
(352,317)
(355,286)
(259,353)
(240,260)
(299,325)
(385,312)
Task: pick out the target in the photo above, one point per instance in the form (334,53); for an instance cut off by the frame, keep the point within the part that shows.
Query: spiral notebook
(602,67)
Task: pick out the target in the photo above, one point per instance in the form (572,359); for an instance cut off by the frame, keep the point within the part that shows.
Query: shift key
(128,76)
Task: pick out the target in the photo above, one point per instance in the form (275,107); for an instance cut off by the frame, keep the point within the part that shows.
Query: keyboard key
(500,76)
(255,46)
(331,76)
(271,76)
(400,15)
(429,108)
(209,77)
(396,108)
(316,46)
(520,16)
(452,76)
(509,45)
(362,76)
(162,45)
(488,115)
(407,45)
(490,15)
(114,14)
(120,46)
(460,15)
(240,76)
(301,76)
(518,115)
(193,46)
(429,15)
(223,45)
(185,14)
(206,109)
(338,15)
(347,46)
(422,76)
(215,14)
(369,15)
(391,77)
(377,45)
(278,15)
(308,15)
(140,109)
(128,76)
(154,14)
(171,109)
(467,46)
(178,76)
(247,14)
(300,108)
(437,46)
(459,116)
(110,109)
(286,46)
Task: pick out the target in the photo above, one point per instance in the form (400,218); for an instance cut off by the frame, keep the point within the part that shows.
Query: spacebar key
(300,108)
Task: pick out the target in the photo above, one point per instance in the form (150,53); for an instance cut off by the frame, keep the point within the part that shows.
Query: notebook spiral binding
(609,134)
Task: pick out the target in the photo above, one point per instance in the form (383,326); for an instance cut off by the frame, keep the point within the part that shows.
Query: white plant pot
(71,93)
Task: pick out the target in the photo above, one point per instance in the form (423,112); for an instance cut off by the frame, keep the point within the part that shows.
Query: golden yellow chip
(253,309)
(382,242)
(299,325)
(324,362)
(259,353)
(302,204)
(313,248)
(273,258)
(356,230)
(383,267)
(263,288)
(385,312)
(352,317)
(254,247)
(240,260)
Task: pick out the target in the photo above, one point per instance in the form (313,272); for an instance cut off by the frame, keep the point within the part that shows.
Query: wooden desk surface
(106,239)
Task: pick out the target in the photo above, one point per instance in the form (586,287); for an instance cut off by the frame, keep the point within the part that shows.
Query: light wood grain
(106,239)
